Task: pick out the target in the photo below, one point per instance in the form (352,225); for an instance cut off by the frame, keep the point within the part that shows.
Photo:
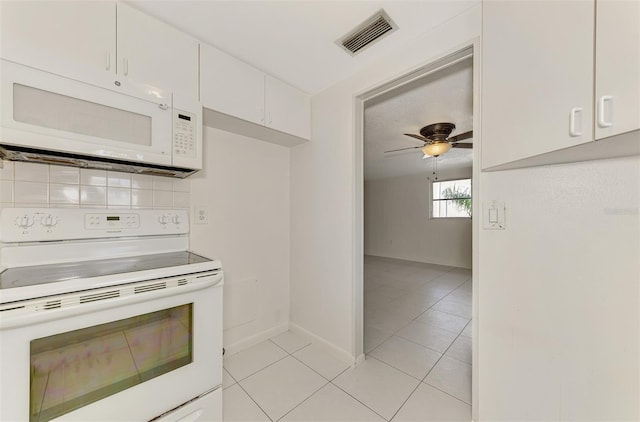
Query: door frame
(466,50)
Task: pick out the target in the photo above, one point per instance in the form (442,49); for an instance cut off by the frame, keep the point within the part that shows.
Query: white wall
(397,223)
(245,189)
(323,186)
(559,306)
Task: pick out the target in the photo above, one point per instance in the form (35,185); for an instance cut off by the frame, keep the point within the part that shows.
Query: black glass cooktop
(42,274)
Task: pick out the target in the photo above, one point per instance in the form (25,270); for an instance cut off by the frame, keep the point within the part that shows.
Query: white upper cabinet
(77,39)
(153,53)
(537,77)
(231,86)
(288,109)
(71,38)
(617,67)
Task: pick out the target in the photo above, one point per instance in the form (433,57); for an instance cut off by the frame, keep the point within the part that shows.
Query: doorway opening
(415,298)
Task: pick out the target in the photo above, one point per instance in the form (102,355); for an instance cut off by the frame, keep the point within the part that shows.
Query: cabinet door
(288,109)
(537,77)
(617,67)
(153,53)
(231,86)
(71,38)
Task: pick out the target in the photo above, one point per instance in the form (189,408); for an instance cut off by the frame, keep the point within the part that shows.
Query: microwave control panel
(184,134)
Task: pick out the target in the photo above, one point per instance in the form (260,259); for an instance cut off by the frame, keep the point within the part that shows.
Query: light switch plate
(201,216)
(493,215)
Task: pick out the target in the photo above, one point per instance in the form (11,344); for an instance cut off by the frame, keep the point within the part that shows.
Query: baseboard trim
(339,352)
(255,339)
(359,360)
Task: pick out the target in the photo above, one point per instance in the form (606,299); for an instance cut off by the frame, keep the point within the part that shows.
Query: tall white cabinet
(537,77)
(540,63)
(617,67)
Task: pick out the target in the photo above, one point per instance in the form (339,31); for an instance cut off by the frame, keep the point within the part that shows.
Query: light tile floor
(418,366)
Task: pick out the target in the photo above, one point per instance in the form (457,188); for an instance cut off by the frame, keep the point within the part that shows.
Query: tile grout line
(259,370)
(252,399)
(388,364)
(358,400)
(438,361)
(302,362)
(307,398)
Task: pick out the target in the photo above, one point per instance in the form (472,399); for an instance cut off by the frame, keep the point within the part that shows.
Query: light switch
(493,215)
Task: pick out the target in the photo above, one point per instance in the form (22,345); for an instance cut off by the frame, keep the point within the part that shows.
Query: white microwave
(51,118)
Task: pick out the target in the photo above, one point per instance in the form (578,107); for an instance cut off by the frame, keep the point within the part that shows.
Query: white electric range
(110,315)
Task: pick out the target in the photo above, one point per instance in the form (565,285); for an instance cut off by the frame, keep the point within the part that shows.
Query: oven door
(46,111)
(124,353)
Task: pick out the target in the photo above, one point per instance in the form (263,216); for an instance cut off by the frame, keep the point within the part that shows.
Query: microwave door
(46,111)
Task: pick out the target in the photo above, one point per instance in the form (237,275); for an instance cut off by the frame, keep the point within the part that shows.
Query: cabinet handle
(125,66)
(572,122)
(107,61)
(601,103)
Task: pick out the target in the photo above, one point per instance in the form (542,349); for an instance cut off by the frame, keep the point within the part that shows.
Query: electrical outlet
(201,216)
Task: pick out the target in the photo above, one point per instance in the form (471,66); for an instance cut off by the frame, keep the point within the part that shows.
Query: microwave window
(46,109)
(76,368)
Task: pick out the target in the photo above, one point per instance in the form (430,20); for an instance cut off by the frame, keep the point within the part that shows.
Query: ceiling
(443,96)
(295,40)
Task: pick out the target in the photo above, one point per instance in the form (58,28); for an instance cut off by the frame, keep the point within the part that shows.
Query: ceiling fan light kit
(434,149)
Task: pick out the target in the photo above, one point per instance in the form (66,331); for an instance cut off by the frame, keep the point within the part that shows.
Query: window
(451,198)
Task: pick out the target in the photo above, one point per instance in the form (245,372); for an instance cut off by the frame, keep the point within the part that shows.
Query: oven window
(76,368)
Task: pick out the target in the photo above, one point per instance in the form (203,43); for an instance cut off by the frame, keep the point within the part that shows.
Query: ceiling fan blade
(402,149)
(461,137)
(422,138)
(467,146)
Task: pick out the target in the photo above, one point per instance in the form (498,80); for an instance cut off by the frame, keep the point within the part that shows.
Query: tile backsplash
(42,185)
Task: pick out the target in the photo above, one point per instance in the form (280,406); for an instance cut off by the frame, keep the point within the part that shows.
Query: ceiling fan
(437,141)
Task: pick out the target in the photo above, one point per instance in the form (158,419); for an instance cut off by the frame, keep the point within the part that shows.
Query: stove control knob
(177,219)
(25,221)
(163,219)
(49,221)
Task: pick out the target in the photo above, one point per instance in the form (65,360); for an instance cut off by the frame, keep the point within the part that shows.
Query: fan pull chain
(435,167)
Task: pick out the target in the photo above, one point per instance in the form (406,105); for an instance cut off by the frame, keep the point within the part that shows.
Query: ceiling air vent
(373,29)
